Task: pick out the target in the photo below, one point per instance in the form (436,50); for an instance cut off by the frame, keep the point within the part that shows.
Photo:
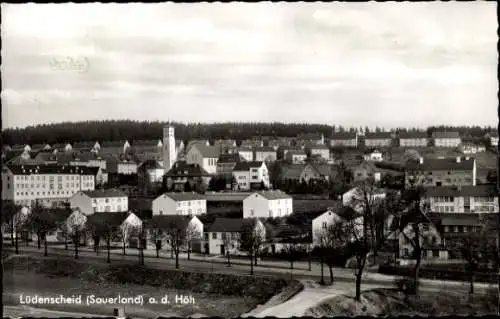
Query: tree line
(118,130)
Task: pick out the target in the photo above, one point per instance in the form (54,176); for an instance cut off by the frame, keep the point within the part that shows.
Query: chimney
(458,159)
(421,160)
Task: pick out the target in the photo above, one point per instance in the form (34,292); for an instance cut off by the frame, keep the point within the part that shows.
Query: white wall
(164,205)
(256,205)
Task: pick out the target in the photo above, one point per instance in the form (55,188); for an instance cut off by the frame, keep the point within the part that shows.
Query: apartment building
(102,200)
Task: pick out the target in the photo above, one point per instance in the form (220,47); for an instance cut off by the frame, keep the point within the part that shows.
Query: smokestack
(458,159)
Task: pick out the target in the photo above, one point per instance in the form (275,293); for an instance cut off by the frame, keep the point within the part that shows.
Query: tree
(293,251)
(252,238)
(76,226)
(228,242)
(105,229)
(411,155)
(126,231)
(179,236)
(14,218)
(156,236)
(41,221)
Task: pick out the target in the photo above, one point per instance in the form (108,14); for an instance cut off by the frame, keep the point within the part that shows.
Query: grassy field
(390,302)
(219,295)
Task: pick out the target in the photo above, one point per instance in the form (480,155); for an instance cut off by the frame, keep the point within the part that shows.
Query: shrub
(407,285)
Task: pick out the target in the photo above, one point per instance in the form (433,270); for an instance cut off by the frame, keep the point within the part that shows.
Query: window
(206,236)
(214,235)
(460,229)
(435,253)
(324,225)
(223,236)
(425,227)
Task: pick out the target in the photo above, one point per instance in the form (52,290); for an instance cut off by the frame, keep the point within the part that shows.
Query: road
(25,311)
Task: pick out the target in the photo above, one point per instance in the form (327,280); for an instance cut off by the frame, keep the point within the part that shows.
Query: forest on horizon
(118,130)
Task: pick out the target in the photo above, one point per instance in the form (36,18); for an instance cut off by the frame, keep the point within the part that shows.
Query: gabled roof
(413,134)
(229,225)
(168,221)
(226,196)
(151,164)
(378,135)
(322,169)
(493,134)
(444,164)
(100,193)
(182,169)
(245,166)
(445,134)
(292,171)
(465,190)
(273,194)
(183,196)
(50,169)
(208,151)
(84,144)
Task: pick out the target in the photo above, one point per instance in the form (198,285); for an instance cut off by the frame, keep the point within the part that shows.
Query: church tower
(169,154)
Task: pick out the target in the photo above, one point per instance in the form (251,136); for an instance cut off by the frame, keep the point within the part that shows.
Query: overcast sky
(386,64)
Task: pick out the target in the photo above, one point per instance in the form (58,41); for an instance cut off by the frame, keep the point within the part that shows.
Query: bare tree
(252,238)
(192,233)
(75,228)
(177,236)
(9,212)
(228,240)
(42,221)
(126,231)
(156,235)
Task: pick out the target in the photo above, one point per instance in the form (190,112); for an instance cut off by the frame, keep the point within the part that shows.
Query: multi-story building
(306,172)
(493,137)
(45,184)
(463,199)
(471,148)
(226,164)
(441,172)
(250,175)
(446,139)
(280,142)
(205,156)
(296,156)
(252,143)
(321,151)
(169,148)
(378,139)
(375,156)
(265,154)
(413,139)
(346,139)
(244,152)
(223,236)
(102,200)
(151,171)
(263,204)
(179,204)
(225,143)
(182,173)
(315,138)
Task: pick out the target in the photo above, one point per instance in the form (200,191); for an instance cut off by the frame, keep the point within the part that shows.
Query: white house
(322,223)
(205,156)
(470,148)
(127,167)
(375,156)
(446,139)
(222,237)
(265,154)
(245,152)
(322,151)
(272,203)
(296,156)
(152,171)
(46,184)
(463,199)
(179,204)
(191,225)
(103,200)
(250,175)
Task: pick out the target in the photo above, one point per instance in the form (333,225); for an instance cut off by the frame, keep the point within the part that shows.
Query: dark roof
(310,136)
(168,221)
(317,147)
(229,158)
(322,169)
(230,225)
(292,170)
(295,152)
(184,196)
(444,164)
(107,218)
(465,190)
(140,143)
(378,135)
(182,169)
(411,134)
(85,144)
(245,166)
(343,136)
(445,134)
(274,194)
(50,169)
(226,196)
(208,151)
(151,164)
(493,134)
(100,193)
(243,149)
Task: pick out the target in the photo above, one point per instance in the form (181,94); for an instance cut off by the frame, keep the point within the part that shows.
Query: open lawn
(385,302)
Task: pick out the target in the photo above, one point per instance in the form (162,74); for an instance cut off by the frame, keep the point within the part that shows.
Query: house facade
(321,151)
(249,175)
(223,236)
(446,139)
(492,137)
(252,143)
(375,156)
(471,148)
(182,173)
(103,200)
(45,184)
(380,139)
(296,156)
(226,164)
(463,199)
(263,204)
(183,204)
(265,154)
(442,172)
(413,139)
(315,138)
(345,139)
(151,171)
(205,156)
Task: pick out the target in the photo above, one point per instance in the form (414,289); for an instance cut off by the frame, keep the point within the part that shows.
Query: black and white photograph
(232,160)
